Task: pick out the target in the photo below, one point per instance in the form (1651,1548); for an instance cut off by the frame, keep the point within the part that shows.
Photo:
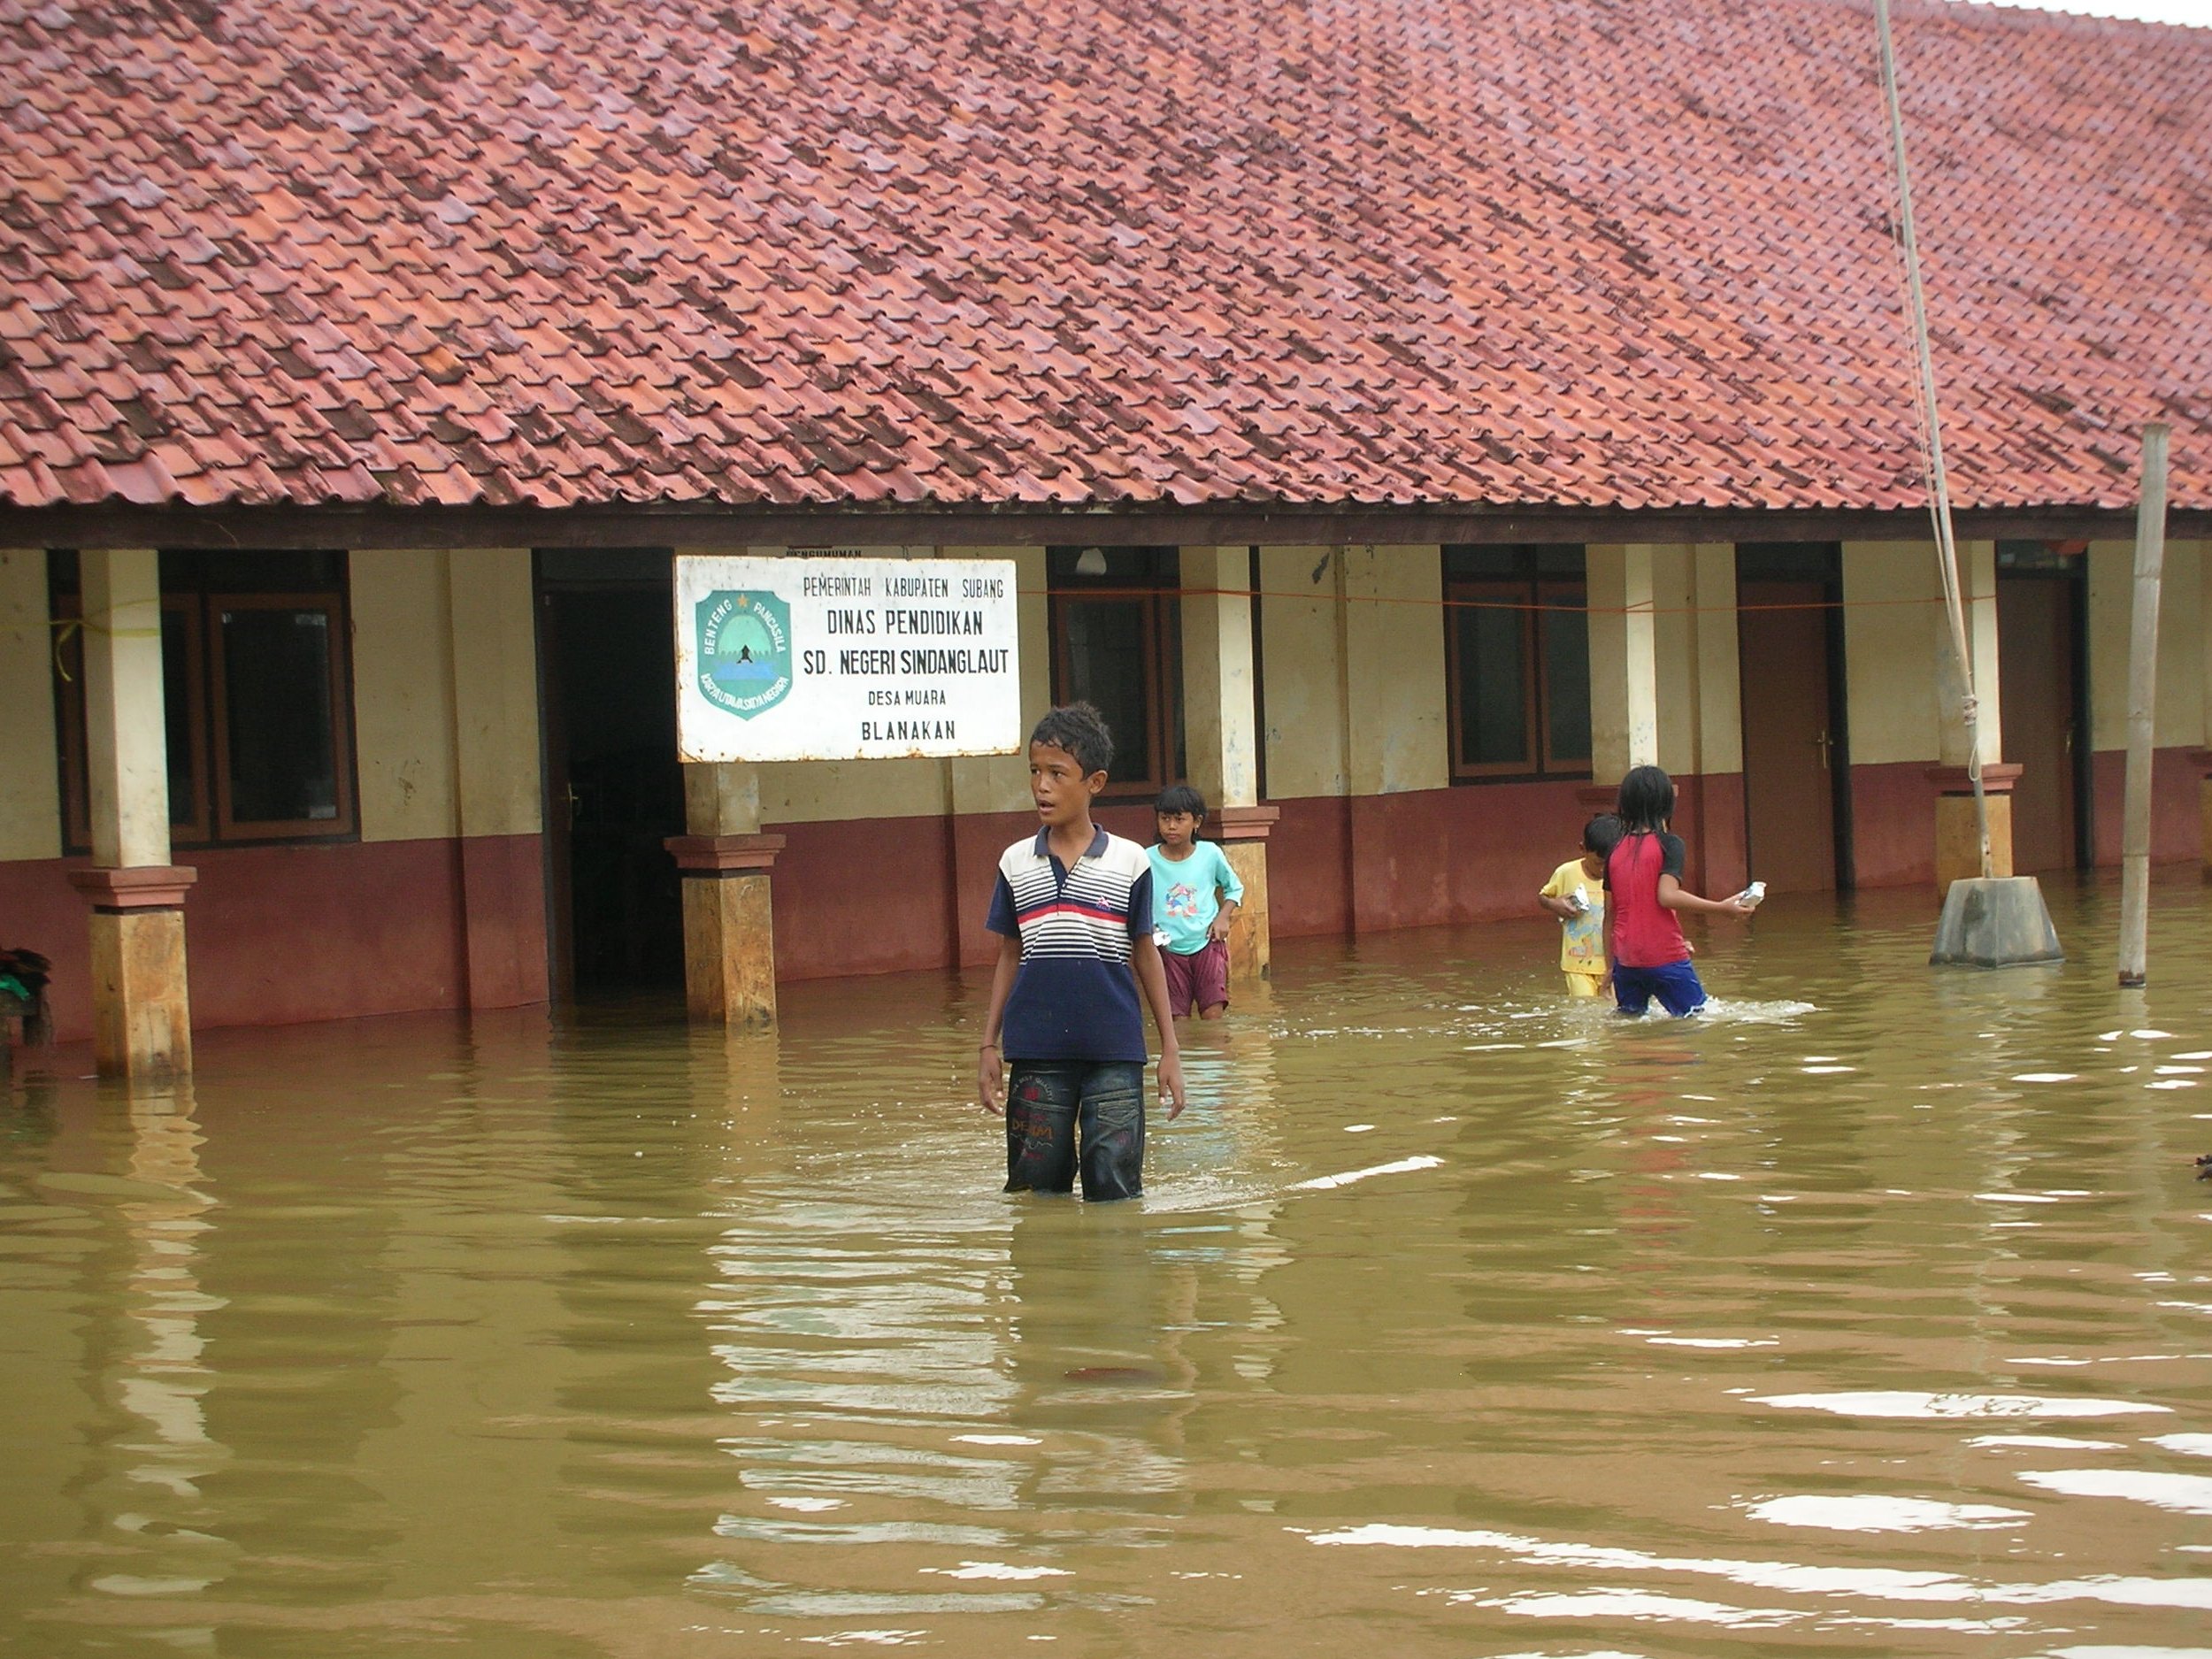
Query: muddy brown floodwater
(1871,1315)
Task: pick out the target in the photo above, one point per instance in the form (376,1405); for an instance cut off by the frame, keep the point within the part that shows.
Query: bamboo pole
(1932,431)
(2135,832)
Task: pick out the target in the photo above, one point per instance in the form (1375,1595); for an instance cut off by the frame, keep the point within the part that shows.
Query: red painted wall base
(2176,819)
(280,935)
(1893,815)
(276,935)
(1476,852)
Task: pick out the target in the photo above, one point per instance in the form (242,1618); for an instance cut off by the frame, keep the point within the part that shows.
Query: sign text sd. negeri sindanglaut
(902,620)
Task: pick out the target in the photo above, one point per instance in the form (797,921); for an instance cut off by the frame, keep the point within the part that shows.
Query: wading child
(1644,895)
(1575,895)
(1073,911)
(1194,898)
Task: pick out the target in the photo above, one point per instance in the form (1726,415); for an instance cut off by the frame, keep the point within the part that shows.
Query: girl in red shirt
(1643,882)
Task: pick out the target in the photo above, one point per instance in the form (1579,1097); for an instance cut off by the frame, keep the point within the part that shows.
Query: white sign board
(808,658)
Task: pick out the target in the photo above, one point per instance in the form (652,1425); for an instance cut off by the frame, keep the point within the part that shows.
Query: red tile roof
(1598,252)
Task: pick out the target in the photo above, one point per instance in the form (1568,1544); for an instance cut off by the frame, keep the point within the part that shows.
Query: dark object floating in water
(2204,1167)
(1113,1373)
(23,977)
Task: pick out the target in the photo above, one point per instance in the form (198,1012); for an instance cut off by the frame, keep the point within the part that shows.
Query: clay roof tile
(819,262)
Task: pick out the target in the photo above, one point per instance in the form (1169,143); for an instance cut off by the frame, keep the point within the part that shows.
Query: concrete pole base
(729,951)
(729,928)
(141,1013)
(1996,922)
(1244,844)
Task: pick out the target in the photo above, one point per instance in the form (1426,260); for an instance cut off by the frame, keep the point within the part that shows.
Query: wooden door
(560,909)
(2036,708)
(1788,749)
(615,790)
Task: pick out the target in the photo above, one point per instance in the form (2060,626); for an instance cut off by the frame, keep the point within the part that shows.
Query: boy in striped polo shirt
(1072,910)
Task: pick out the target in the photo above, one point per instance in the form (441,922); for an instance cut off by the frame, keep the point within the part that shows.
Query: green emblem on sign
(744,651)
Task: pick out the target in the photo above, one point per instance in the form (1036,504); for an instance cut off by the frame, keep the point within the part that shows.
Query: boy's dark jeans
(1063,1116)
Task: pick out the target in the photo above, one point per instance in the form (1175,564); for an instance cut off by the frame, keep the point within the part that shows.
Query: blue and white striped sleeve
(1002,919)
(1141,921)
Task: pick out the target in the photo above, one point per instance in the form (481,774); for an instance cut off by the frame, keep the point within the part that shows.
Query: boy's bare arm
(1152,977)
(1559,908)
(990,1070)
(1218,928)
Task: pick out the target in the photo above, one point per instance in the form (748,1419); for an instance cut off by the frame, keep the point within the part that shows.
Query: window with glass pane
(279,761)
(256,710)
(1492,683)
(1565,691)
(1107,665)
(1517,636)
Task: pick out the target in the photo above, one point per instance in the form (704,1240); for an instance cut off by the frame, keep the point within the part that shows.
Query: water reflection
(1870,1312)
(155,1378)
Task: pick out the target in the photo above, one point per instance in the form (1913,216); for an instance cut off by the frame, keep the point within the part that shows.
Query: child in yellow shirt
(1575,895)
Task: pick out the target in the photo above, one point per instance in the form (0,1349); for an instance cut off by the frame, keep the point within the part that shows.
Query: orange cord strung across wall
(1319,595)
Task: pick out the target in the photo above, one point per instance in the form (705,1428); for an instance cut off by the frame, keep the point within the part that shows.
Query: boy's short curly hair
(1179,797)
(1079,729)
(1602,834)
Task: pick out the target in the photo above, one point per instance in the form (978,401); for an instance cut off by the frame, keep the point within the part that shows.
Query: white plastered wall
(445,693)
(1393,673)
(1894,636)
(403,694)
(1302,673)
(2181,644)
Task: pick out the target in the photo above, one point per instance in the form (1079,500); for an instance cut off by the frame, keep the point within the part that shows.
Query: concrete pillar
(141,1021)
(1958,839)
(1624,661)
(1221,735)
(729,931)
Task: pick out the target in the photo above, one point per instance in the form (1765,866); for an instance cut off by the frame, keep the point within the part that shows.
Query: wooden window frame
(210,825)
(1161,602)
(345,823)
(1533,593)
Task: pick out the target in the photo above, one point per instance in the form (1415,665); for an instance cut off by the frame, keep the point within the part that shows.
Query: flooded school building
(1399,421)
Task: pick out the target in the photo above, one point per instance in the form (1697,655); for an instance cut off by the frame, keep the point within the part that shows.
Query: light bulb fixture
(1091,562)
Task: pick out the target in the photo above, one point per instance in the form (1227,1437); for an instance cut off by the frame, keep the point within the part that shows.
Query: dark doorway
(1796,766)
(614,787)
(2042,707)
